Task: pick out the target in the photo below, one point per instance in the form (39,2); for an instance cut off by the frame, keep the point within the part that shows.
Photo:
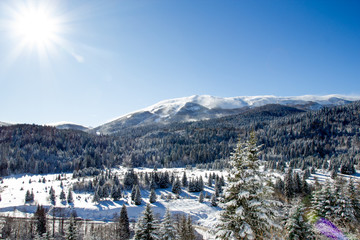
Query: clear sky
(91,61)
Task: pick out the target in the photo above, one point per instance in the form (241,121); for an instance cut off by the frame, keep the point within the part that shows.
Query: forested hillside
(286,134)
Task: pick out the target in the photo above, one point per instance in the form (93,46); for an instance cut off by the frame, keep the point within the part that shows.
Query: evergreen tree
(185,228)
(40,219)
(201,197)
(297,226)
(133,193)
(137,199)
(146,227)
(288,185)
(343,211)
(184,180)
(96,197)
(354,198)
(124,226)
(167,230)
(333,174)
(213,200)
(52,195)
(29,197)
(62,195)
(152,197)
(248,209)
(71,233)
(115,192)
(70,198)
(176,187)
(209,183)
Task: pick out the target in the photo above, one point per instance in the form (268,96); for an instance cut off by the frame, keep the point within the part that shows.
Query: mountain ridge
(204,107)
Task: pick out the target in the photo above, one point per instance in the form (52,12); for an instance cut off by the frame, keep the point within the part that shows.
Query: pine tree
(124,226)
(288,185)
(343,211)
(29,197)
(354,198)
(209,183)
(62,195)
(52,195)
(146,227)
(167,230)
(184,181)
(40,218)
(248,209)
(115,192)
(70,198)
(176,187)
(133,193)
(201,197)
(297,226)
(71,233)
(137,199)
(213,200)
(152,197)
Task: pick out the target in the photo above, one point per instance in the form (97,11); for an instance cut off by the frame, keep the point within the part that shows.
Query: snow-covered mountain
(195,108)
(4,124)
(68,125)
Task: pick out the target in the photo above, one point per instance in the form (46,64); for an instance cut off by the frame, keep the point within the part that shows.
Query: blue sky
(116,57)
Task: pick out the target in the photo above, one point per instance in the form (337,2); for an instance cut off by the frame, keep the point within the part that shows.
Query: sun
(36,27)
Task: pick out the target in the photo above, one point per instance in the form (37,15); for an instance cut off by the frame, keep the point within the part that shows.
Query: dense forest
(286,134)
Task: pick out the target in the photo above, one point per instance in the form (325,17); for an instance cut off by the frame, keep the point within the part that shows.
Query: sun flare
(36,27)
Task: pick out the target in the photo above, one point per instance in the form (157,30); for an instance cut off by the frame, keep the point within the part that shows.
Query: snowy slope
(195,108)
(4,124)
(68,125)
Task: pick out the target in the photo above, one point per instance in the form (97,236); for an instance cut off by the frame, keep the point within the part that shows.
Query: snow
(168,108)
(13,190)
(205,216)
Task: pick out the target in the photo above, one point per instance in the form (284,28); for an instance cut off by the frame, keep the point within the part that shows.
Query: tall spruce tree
(248,208)
(137,199)
(40,218)
(297,226)
(146,227)
(167,231)
(152,197)
(124,225)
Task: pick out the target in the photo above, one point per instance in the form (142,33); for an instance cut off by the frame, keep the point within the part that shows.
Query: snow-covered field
(205,216)
(13,189)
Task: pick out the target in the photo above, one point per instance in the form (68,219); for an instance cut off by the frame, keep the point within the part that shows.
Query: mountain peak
(202,107)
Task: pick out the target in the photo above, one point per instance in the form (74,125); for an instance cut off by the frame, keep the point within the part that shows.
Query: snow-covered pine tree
(297,226)
(71,233)
(343,211)
(323,201)
(70,198)
(201,197)
(146,228)
(115,192)
(62,195)
(249,211)
(209,183)
(52,195)
(176,187)
(288,185)
(137,199)
(124,226)
(40,220)
(133,192)
(167,230)
(184,180)
(213,200)
(354,198)
(152,197)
